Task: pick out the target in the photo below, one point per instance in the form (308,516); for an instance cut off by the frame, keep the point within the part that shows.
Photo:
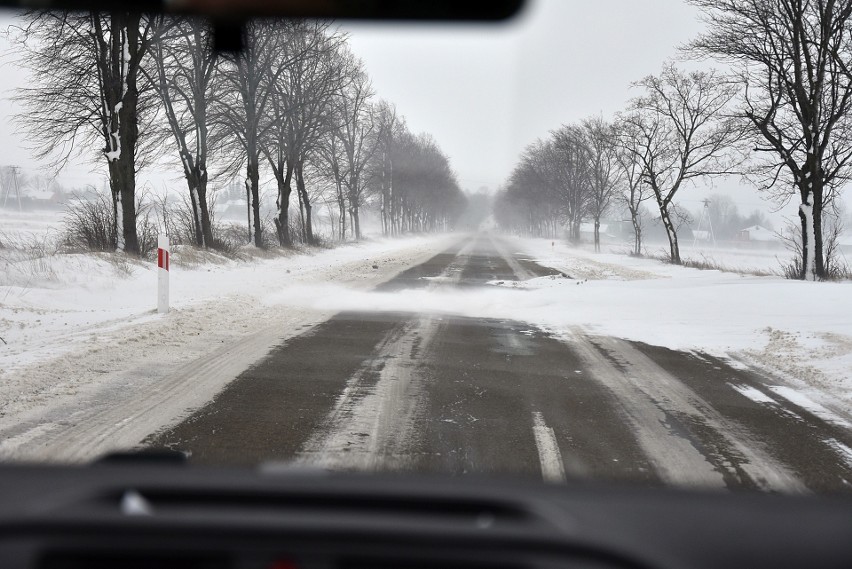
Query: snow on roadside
(798,331)
(95,294)
(92,340)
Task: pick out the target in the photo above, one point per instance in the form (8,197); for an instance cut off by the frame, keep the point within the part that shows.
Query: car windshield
(602,241)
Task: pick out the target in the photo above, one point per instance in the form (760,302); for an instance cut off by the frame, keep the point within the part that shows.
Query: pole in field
(705,214)
(162,274)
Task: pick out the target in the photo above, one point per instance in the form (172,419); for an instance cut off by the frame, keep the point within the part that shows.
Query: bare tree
(428,194)
(604,172)
(240,115)
(301,112)
(794,61)
(183,73)
(331,165)
(389,127)
(566,163)
(632,178)
(550,185)
(683,133)
(357,137)
(85,70)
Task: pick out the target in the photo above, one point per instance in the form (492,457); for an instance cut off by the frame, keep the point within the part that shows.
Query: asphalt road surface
(436,394)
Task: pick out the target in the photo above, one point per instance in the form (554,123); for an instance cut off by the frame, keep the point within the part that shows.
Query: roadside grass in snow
(781,262)
(26,258)
(708,263)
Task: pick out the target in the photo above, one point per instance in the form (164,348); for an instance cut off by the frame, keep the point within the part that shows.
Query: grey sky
(485,92)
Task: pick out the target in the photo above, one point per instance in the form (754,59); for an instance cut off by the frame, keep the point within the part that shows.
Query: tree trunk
(356,222)
(597,235)
(341,204)
(124,131)
(353,207)
(123,185)
(306,201)
(198,235)
(206,224)
(253,177)
(248,208)
(575,231)
(671,233)
(637,232)
(302,235)
(810,214)
(282,221)
(819,256)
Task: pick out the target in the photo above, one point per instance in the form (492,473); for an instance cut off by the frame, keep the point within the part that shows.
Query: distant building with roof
(756,233)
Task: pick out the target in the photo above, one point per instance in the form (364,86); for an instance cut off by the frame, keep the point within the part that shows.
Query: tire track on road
(372,425)
(688,440)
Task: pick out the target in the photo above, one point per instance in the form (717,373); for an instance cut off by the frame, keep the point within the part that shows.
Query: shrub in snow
(90,226)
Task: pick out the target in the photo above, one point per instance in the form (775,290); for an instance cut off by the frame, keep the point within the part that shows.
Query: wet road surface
(440,394)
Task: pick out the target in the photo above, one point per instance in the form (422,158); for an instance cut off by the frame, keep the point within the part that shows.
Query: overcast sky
(485,92)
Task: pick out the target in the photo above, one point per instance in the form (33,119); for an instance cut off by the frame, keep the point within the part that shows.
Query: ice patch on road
(805,402)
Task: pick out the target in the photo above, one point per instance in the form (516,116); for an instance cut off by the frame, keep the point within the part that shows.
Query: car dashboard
(167,516)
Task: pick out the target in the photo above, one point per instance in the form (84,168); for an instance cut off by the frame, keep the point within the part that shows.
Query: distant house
(756,233)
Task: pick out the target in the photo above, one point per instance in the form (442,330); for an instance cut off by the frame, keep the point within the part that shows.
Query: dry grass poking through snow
(794,355)
(25,258)
(705,263)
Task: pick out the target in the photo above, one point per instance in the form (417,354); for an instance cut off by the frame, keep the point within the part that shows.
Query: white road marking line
(552,468)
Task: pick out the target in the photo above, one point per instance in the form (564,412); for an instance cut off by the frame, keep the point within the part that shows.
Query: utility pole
(705,214)
(8,190)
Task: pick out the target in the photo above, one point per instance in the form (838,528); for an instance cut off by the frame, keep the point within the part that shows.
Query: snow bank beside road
(799,330)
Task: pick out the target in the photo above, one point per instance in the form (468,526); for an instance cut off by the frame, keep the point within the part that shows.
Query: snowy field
(760,258)
(30,223)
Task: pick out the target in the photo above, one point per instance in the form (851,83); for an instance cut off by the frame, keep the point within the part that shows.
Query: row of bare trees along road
(128,91)
(778,114)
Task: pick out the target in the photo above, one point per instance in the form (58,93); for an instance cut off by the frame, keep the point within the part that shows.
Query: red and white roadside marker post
(162,274)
